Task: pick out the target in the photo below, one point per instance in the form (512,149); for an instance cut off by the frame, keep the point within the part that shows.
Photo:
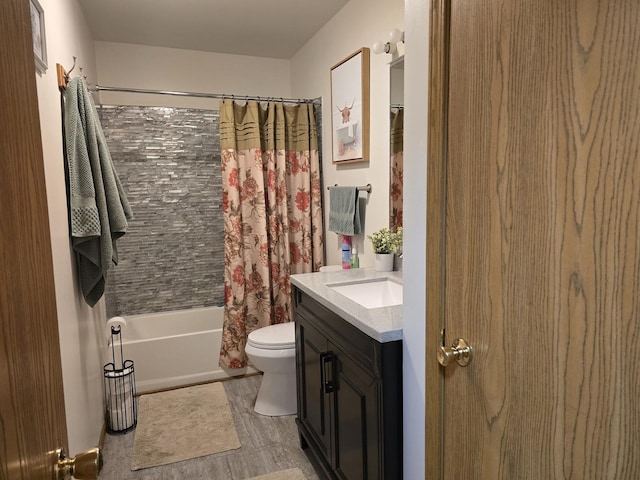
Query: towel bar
(366,188)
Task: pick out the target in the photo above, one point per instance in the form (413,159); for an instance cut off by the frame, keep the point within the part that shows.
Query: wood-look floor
(269,444)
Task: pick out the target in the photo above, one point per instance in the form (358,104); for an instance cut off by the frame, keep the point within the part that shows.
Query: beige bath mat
(181,424)
(291,474)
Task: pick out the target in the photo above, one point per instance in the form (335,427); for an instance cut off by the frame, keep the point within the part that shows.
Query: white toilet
(272,350)
(331,268)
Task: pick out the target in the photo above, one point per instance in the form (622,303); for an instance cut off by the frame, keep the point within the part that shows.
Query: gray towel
(98,207)
(344,213)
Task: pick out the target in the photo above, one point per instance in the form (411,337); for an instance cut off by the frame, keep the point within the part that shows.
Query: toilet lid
(331,268)
(274,337)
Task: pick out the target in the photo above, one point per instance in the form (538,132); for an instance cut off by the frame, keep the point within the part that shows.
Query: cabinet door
(315,407)
(357,455)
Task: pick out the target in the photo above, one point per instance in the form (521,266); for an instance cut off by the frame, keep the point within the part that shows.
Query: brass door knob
(460,351)
(84,466)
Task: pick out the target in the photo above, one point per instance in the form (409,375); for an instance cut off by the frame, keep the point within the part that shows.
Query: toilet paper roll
(116,322)
(123,417)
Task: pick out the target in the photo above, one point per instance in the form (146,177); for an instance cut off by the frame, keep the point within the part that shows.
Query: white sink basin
(375,293)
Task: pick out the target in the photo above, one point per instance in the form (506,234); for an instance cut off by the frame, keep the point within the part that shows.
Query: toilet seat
(281,336)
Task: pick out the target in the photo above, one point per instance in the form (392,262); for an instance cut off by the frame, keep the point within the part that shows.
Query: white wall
(159,68)
(416,68)
(359,24)
(80,327)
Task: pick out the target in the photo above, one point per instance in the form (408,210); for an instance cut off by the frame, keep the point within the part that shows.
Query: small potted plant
(385,244)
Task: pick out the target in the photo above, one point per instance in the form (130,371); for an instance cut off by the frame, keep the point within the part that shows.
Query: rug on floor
(291,474)
(182,424)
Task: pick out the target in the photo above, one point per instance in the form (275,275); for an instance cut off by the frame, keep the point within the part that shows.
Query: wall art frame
(350,108)
(38,36)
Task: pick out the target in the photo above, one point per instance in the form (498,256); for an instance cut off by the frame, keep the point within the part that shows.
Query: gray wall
(172,257)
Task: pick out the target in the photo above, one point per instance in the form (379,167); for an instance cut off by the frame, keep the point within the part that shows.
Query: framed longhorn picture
(350,108)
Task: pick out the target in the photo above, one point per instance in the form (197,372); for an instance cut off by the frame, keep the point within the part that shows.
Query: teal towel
(344,212)
(98,206)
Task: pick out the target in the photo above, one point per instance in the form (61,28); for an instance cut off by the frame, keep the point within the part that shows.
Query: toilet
(331,268)
(272,350)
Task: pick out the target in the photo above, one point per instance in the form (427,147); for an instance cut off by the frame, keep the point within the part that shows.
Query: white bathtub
(173,349)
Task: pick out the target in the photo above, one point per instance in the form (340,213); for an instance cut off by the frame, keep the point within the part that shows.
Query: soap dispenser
(355,261)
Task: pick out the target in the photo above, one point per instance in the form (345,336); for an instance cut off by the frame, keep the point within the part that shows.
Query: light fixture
(380,47)
(395,36)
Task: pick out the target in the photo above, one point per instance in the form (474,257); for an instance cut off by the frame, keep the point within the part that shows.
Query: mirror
(396,169)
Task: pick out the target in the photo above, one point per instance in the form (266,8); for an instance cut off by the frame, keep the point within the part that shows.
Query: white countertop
(383,324)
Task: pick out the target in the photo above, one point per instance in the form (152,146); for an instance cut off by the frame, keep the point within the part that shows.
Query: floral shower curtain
(397,168)
(272,215)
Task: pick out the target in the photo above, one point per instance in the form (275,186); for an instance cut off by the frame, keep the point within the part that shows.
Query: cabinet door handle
(297,297)
(322,379)
(326,360)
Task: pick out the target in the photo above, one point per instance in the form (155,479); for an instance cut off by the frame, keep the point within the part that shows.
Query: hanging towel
(344,213)
(98,206)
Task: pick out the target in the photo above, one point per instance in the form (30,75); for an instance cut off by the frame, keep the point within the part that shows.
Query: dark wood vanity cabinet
(349,395)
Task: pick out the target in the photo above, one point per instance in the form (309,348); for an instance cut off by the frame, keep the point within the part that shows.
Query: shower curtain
(397,169)
(272,215)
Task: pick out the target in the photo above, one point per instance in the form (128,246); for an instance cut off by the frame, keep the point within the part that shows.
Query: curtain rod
(222,96)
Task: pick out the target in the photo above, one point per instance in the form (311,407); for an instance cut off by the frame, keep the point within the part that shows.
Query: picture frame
(350,108)
(38,36)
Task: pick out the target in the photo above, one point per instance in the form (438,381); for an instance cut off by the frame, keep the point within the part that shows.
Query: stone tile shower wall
(172,257)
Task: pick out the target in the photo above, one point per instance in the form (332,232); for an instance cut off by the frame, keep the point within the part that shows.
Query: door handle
(460,351)
(328,385)
(85,465)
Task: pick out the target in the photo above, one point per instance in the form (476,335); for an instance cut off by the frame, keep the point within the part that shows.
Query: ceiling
(261,28)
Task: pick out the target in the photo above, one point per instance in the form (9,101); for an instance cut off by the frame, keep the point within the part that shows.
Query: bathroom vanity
(349,374)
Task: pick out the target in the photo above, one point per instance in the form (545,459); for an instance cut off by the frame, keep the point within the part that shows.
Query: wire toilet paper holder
(120,400)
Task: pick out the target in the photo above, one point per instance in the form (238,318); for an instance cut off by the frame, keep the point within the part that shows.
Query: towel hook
(63,75)
(72,67)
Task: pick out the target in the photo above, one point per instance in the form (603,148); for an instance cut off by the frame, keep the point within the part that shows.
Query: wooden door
(32,416)
(535,239)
